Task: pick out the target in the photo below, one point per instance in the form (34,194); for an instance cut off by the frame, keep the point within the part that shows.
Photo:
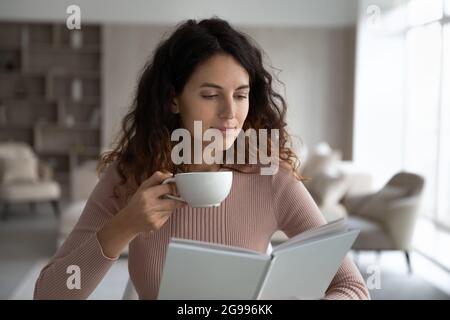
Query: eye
(210,97)
(241,97)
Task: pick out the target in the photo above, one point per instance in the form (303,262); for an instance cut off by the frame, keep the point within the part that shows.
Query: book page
(216,246)
(336,226)
(305,271)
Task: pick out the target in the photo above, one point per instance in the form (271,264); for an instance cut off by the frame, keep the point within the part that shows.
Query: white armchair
(25,179)
(331,180)
(387,218)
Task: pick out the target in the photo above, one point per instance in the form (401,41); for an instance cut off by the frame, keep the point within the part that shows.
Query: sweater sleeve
(81,256)
(297,212)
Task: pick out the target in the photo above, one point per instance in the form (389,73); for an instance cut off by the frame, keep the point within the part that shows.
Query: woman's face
(217,93)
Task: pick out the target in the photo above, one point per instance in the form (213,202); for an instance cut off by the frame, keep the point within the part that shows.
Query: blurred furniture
(50,92)
(330,180)
(387,218)
(25,179)
(83,180)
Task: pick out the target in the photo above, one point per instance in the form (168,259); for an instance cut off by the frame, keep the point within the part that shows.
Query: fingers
(165,211)
(157,178)
(160,190)
(169,205)
(173,189)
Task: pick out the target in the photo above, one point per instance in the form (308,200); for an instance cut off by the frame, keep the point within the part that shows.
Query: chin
(226,147)
(228,144)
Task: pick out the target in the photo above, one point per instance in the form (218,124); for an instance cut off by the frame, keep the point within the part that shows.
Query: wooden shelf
(31,100)
(14,127)
(11,47)
(85,151)
(17,73)
(62,176)
(43,99)
(75,127)
(75,73)
(88,49)
(56,72)
(47,81)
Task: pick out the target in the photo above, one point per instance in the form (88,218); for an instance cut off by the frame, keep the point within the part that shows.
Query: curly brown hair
(144,145)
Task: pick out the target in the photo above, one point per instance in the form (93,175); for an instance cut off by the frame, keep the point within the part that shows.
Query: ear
(174,105)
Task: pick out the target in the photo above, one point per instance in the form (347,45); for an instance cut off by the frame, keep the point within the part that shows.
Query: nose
(227,109)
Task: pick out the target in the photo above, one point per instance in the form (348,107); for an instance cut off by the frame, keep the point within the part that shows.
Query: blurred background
(368,91)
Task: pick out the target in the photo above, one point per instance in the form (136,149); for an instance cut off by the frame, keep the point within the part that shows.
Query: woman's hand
(146,211)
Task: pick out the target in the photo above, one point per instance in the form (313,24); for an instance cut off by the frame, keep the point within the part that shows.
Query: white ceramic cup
(202,189)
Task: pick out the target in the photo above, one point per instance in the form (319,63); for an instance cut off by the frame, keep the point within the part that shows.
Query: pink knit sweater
(256,207)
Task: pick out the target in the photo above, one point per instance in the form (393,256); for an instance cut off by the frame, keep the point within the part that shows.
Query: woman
(204,71)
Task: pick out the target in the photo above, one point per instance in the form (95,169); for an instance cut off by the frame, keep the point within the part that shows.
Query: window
(424,11)
(443,210)
(422,100)
(427,105)
(447,7)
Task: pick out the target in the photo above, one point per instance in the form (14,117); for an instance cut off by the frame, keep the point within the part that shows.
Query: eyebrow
(216,86)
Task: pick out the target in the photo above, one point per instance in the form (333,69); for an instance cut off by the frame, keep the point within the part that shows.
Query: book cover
(300,268)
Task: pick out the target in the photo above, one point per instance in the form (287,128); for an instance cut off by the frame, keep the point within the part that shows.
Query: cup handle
(168,180)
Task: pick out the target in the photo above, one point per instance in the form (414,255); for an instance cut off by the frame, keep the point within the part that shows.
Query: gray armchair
(24,179)
(387,218)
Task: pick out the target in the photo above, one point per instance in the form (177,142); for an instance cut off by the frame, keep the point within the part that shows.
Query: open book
(300,268)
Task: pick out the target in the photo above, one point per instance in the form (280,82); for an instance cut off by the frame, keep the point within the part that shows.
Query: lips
(226,130)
